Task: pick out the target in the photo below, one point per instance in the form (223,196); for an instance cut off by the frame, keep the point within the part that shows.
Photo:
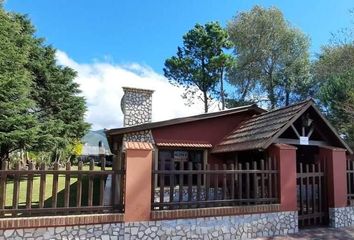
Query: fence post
(16,190)
(336,175)
(138,181)
(102,157)
(3,180)
(29,186)
(286,161)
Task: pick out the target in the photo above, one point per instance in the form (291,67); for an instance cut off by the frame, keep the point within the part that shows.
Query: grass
(48,190)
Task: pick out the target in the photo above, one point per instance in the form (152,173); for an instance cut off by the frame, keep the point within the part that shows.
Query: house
(236,174)
(225,135)
(297,140)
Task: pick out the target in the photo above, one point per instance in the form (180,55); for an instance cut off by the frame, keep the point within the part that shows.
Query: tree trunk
(287,90)
(271,95)
(222,90)
(4,156)
(245,91)
(205,101)
(272,99)
(287,97)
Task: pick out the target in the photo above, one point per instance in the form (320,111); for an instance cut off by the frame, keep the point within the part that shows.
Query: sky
(115,43)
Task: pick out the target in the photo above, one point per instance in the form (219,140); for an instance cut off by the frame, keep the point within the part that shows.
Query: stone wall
(98,231)
(341,217)
(136,106)
(226,227)
(141,136)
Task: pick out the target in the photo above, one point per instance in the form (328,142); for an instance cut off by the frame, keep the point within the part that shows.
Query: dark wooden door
(311,195)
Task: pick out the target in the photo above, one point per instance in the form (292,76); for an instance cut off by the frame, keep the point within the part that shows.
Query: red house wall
(206,131)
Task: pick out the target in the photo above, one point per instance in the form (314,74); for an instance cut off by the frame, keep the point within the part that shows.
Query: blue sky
(113,43)
(147,32)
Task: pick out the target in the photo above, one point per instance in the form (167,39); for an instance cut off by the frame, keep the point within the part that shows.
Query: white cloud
(101,84)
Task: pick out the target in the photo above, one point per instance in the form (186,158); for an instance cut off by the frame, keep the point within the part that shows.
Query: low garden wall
(97,231)
(341,217)
(225,227)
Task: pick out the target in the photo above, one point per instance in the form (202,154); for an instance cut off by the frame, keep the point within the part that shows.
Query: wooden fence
(214,186)
(58,190)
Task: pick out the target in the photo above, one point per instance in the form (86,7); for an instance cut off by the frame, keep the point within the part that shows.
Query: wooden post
(116,184)
(205,162)
(90,184)
(224,183)
(216,183)
(29,186)
(3,178)
(55,186)
(199,182)
(16,188)
(102,157)
(67,185)
(79,185)
(42,185)
(156,167)
(172,181)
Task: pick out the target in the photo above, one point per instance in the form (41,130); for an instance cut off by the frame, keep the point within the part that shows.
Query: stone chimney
(136,106)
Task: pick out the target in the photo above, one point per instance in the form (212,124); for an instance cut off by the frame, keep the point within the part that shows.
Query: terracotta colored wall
(335,160)
(138,185)
(210,131)
(286,156)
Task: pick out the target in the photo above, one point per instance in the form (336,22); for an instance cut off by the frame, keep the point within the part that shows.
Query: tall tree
(60,109)
(334,70)
(17,119)
(271,55)
(40,108)
(200,63)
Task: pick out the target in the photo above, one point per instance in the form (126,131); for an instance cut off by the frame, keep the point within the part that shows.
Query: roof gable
(260,131)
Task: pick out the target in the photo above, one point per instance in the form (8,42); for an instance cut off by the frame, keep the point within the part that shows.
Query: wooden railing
(66,190)
(215,186)
(350,181)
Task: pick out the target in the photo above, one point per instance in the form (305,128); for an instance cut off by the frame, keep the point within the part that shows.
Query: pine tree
(18,121)
(40,105)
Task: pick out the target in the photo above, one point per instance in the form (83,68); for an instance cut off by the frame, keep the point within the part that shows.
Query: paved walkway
(318,233)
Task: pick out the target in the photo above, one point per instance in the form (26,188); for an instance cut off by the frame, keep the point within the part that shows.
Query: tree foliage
(334,70)
(18,127)
(40,106)
(271,55)
(199,64)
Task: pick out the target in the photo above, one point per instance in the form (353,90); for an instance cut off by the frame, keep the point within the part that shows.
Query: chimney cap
(141,90)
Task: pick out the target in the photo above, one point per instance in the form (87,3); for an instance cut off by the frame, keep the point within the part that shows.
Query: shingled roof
(258,131)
